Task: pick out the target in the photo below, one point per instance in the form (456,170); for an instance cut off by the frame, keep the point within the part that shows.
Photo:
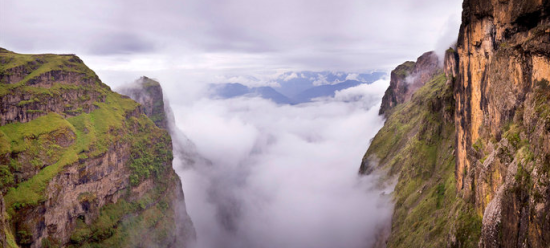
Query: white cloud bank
(284,176)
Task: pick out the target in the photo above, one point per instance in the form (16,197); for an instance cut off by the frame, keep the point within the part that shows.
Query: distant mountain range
(296,87)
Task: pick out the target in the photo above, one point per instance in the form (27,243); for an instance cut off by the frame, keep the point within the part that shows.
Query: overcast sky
(245,36)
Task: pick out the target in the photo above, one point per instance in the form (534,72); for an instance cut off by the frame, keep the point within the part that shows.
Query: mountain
(81,165)
(324,91)
(296,87)
(469,147)
(231,90)
(294,83)
(271,94)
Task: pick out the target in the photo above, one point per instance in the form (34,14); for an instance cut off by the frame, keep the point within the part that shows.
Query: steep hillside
(81,165)
(416,148)
(471,151)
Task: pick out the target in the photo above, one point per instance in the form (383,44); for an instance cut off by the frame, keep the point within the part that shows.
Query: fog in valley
(284,175)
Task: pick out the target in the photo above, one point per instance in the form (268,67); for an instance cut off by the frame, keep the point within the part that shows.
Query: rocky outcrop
(406,79)
(148,93)
(101,176)
(502,119)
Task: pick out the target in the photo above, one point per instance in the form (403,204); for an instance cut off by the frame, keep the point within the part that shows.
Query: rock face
(407,78)
(66,87)
(98,176)
(481,177)
(3,223)
(148,93)
(503,119)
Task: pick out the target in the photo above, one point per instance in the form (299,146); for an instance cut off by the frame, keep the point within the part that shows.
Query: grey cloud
(301,34)
(120,43)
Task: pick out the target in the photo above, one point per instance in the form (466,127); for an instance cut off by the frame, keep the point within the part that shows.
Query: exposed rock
(36,85)
(501,112)
(3,223)
(450,65)
(407,78)
(148,93)
(99,176)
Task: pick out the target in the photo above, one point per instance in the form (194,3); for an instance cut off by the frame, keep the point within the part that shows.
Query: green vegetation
(126,224)
(404,69)
(33,100)
(47,144)
(21,133)
(416,144)
(37,65)
(150,155)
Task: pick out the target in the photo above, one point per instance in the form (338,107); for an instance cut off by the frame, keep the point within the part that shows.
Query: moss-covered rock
(77,173)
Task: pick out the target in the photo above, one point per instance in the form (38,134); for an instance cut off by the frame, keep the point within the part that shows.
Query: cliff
(148,93)
(471,149)
(82,165)
(406,79)
(503,119)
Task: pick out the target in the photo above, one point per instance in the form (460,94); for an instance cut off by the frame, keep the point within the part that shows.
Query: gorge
(455,145)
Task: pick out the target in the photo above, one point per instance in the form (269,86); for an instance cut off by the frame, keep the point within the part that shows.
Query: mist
(269,175)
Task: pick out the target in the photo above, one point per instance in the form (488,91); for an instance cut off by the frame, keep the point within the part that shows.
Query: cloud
(280,176)
(448,36)
(291,76)
(352,76)
(121,43)
(245,35)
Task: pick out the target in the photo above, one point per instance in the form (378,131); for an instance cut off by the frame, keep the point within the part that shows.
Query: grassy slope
(417,145)
(93,134)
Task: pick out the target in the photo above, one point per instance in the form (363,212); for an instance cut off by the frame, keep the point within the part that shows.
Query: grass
(36,65)
(95,131)
(114,123)
(19,134)
(416,144)
(404,69)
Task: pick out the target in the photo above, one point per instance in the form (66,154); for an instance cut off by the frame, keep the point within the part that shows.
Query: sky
(202,40)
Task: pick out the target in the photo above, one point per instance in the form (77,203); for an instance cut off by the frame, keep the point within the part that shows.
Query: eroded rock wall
(502,119)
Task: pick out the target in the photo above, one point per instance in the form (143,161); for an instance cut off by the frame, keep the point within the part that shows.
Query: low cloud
(291,76)
(284,176)
(448,36)
(352,76)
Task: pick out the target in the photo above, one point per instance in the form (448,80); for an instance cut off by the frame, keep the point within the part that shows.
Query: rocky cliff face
(483,177)
(99,176)
(407,78)
(503,119)
(148,93)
